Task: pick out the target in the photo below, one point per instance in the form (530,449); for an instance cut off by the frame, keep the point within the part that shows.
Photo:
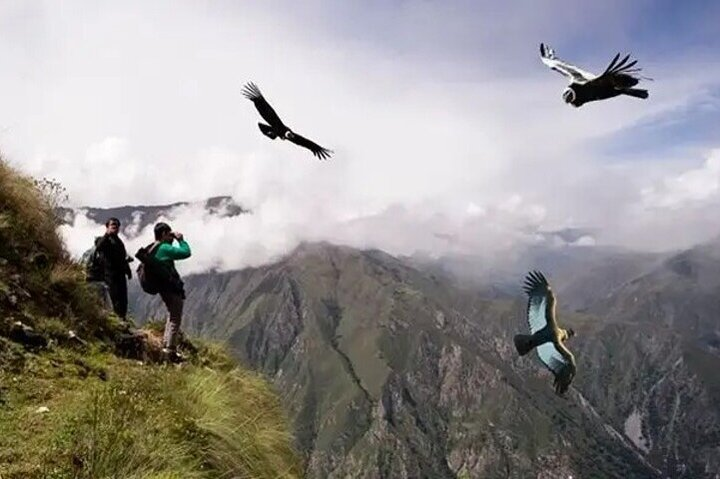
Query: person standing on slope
(172,292)
(114,268)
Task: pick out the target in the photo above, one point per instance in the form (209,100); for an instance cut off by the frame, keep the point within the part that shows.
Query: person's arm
(181,251)
(126,260)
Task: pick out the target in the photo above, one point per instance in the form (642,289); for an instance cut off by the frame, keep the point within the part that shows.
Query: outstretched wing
(267,131)
(541,301)
(620,74)
(560,361)
(541,313)
(252,93)
(575,74)
(317,150)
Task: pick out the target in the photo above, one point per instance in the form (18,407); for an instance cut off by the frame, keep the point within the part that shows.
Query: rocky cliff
(389,370)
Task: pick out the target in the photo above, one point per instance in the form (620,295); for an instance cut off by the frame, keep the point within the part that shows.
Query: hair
(112,219)
(160,229)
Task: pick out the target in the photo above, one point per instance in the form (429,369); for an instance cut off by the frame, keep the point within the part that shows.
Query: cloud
(660,207)
(585,241)
(449,132)
(694,186)
(224,243)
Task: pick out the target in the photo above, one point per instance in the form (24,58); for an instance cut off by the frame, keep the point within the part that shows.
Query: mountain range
(399,367)
(404,366)
(138,217)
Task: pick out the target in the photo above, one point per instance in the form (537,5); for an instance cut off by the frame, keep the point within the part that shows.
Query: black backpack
(150,272)
(93,262)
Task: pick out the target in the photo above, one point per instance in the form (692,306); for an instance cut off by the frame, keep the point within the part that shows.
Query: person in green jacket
(172,294)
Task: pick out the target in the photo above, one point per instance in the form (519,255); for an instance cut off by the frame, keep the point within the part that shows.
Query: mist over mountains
(134,219)
(403,366)
(230,235)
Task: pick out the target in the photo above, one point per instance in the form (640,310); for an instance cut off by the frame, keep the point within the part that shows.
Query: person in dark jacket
(115,265)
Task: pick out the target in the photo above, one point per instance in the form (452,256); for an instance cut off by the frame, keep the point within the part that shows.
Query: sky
(449,133)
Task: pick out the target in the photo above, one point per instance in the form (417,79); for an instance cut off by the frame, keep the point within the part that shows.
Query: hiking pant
(174,303)
(118,295)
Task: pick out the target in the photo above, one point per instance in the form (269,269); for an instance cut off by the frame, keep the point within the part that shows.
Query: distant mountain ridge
(136,218)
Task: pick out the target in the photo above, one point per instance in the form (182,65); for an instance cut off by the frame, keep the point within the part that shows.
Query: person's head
(112,226)
(163,232)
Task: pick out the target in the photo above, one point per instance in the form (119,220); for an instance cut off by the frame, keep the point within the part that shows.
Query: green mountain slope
(658,361)
(653,354)
(389,371)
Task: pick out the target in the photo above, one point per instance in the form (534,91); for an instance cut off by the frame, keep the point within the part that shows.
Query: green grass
(116,418)
(78,411)
(39,282)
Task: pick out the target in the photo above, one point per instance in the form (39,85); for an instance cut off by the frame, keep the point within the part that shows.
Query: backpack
(93,265)
(150,270)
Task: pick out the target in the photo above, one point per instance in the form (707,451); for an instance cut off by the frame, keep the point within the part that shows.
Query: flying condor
(619,78)
(276,128)
(545,334)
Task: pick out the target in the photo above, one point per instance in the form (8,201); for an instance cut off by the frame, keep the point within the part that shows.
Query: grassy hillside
(76,408)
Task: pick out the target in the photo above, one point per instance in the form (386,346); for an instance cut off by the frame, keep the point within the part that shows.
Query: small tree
(54,193)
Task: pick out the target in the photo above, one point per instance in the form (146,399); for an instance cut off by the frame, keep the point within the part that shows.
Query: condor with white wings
(545,334)
(619,78)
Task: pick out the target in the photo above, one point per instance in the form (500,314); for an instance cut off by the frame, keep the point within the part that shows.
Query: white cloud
(696,185)
(475,210)
(436,132)
(253,239)
(585,241)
